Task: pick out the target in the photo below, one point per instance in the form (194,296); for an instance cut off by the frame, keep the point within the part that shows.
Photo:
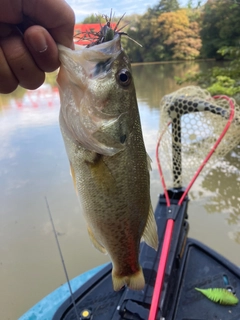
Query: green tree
(143,30)
(164,6)
(93,18)
(221,39)
(220,26)
(194,4)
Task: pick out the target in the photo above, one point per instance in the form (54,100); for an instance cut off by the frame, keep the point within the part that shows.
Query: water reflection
(5,100)
(224,183)
(33,164)
(155,80)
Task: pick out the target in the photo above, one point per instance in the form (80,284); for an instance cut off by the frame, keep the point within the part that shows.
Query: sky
(84,8)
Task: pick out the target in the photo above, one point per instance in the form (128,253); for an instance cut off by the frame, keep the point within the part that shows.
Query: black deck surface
(190,265)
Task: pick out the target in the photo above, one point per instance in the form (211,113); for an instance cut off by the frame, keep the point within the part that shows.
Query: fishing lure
(106,32)
(219,295)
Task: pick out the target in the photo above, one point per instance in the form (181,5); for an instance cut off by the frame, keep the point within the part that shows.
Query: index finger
(54,15)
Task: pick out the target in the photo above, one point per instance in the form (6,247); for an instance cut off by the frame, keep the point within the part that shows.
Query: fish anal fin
(96,244)
(134,281)
(150,235)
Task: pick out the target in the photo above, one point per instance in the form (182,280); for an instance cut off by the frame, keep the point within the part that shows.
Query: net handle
(170,222)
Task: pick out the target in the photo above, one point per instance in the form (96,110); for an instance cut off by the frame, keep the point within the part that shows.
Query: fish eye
(124,77)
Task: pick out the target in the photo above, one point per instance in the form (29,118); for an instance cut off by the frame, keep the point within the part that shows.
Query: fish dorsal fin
(96,244)
(150,235)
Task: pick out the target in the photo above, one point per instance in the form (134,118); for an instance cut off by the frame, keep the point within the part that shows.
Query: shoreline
(170,62)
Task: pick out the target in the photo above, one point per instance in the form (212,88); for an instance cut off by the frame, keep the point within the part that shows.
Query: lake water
(33,164)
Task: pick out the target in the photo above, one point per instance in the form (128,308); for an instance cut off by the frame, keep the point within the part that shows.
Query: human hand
(29,33)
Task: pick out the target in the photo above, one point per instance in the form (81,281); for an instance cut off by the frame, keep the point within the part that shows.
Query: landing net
(196,131)
(191,123)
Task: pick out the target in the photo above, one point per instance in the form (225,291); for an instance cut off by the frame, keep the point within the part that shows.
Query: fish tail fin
(134,281)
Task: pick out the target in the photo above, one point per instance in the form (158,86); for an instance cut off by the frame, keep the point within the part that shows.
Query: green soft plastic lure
(219,295)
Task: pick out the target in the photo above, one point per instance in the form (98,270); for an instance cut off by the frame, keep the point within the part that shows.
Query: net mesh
(191,122)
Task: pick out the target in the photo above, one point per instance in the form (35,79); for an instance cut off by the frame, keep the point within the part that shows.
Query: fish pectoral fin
(96,244)
(150,235)
(107,141)
(103,177)
(72,173)
(113,133)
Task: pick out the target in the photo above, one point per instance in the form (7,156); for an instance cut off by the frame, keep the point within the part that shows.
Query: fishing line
(170,222)
(62,260)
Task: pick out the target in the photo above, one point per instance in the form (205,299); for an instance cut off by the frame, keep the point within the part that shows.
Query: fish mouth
(99,57)
(109,47)
(88,124)
(91,62)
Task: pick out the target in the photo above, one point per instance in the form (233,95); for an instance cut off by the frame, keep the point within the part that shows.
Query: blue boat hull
(47,307)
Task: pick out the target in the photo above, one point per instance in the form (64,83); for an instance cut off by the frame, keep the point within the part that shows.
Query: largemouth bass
(101,128)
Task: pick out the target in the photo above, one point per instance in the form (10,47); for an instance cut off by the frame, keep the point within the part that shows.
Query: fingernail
(38,43)
(5,30)
(44,49)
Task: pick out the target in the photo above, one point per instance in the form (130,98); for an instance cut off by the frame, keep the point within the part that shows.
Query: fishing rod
(62,260)
(177,171)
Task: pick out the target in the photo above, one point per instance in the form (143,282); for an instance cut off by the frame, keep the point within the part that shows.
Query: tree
(93,18)
(221,38)
(144,32)
(179,34)
(165,6)
(220,26)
